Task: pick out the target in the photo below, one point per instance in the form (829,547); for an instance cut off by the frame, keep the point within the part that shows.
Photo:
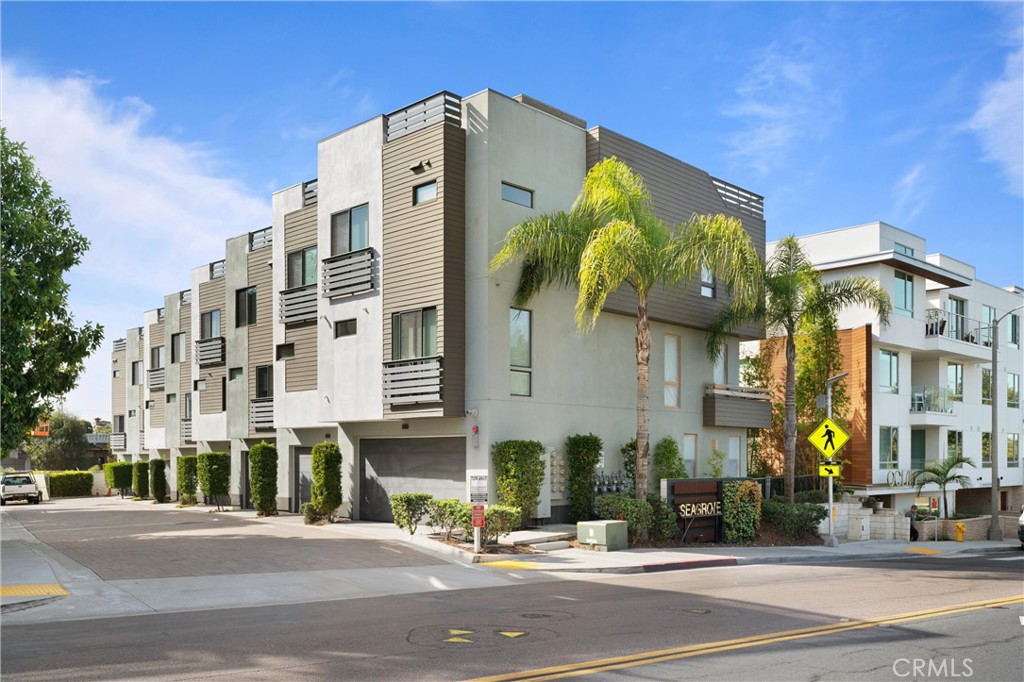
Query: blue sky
(167,126)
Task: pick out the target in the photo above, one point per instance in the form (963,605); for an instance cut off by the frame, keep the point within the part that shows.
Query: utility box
(605,535)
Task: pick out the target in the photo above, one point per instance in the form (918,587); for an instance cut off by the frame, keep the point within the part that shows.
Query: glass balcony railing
(931,399)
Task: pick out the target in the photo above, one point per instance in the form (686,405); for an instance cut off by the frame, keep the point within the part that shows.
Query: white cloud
(910,195)
(999,122)
(152,207)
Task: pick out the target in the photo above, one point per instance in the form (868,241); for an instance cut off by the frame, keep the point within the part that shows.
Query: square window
(350,230)
(517,195)
(285,350)
(424,193)
(344,328)
(199,385)
(414,334)
(302,267)
(172,398)
(117,373)
(131,413)
(234,373)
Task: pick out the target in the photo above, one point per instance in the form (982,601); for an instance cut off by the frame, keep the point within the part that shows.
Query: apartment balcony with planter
(408,382)
(738,406)
(210,351)
(932,406)
(155,379)
(349,273)
(261,414)
(298,304)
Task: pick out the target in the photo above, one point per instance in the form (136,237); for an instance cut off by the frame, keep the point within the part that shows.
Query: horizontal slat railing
(349,273)
(745,201)
(120,345)
(261,413)
(413,381)
(439,107)
(186,429)
(298,304)
(747,392)
(155,379)
(261,238)
(210,351)
(119,441)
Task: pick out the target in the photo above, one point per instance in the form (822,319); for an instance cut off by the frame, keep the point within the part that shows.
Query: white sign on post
(478,489)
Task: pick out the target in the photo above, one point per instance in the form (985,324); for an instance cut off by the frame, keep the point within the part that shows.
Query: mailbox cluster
(556,467)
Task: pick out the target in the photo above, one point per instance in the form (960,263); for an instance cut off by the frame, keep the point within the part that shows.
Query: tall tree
(42,352)
(795,294)
(612,237)
(65,448)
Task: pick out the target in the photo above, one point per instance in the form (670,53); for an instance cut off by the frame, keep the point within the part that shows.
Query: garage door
(408,465)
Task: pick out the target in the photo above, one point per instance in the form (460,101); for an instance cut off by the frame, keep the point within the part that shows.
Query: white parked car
(1020,527)
(19,486)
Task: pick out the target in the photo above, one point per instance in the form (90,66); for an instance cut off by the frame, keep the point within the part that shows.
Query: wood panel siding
(299,230)
(423,255)
(855,345)
(679,191)
(300,371)
(120,363)
(211,297)
(261,334)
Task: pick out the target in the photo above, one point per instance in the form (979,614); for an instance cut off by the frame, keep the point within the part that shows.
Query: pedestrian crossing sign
(828,438)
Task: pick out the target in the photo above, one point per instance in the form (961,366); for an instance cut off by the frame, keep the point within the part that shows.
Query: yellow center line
(43,590)
(661,656)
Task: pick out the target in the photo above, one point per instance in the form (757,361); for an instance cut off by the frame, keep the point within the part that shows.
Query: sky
(167,126)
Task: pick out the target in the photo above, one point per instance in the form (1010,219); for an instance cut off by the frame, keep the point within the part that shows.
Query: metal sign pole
(476,540)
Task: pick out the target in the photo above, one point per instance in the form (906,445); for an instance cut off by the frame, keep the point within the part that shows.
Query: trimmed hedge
(741,510)
(118,475)
(325,493)
(158,480)
(797,519)
(409,509)
(214,469)
(499,520)
(668,463)
(140,479)
(519,473)
(582,454)
(263,478)
(638,514)
(70,484)
(188,479)
(448,514)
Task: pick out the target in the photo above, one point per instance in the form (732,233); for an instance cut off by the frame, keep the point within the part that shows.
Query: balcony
(210,351)
(952,335)
(298,304)
(444,106)
(349,273)
(931,406)
(186,430)
(407,382)
(261,414)
(120,345)
(155,379)
(119,442)
(737,406)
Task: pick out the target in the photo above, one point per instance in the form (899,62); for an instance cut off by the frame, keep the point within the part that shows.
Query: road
(737,623)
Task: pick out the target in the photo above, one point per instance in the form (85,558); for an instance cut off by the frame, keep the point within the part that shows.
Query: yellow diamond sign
(828,438)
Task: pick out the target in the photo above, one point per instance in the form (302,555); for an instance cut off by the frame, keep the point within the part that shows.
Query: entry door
(244,500)
(917,449)
(303,476)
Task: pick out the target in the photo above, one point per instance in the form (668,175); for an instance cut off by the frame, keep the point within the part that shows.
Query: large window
(118,426)
(986,450)
(156,357)
(414,334)
(1013,450)
(955,381)
(888,447)
(245,307)
(986,385)
(265,381)
(690,454)
(903,294)
(519,351)
(671,370)
(1012,390)
(350,230)
(177,348)
(889,371)
(209,324)
(954,443)
(988,320)
(957,309)
(136,372)
(302,267)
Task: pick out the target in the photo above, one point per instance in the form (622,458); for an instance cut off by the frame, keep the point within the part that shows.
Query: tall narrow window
(732,463)
(988,320)
(889,371)
(888,447)
(414,334)
(136,372)
(520,355)
(424,193)
(954,443)
(1014,331)
(265,381)
(671,370)
(187,413)
(690,453)
(1013,450)
(986,385)
(350,230)
(209,324)
(720,372)
(245,307)
(177,348)
(707,282)
(118,426)
(955,381)
(903,294)
(517,195)
(1012,390)
(986,450)
(957,311)
(156,357)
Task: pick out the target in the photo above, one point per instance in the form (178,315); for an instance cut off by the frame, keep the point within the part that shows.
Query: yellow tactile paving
(923,550)
(513,565)
(44,590)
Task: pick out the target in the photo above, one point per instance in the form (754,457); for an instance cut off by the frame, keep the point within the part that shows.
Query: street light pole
(995,528)
(831,541)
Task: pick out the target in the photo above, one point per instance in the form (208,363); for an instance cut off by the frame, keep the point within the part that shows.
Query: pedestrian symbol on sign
(828,438)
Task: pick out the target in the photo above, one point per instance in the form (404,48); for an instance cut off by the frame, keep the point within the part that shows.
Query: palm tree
(793,293)
(612,237)
(943,473)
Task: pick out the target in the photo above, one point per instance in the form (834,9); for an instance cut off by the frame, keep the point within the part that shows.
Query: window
(954,443)
(149,404)
(350,230)
(957,308)
(172,398)
(903,294)
(732,462)
(720,372)
(245,307)
(414,334)
(118,426)
(986,385)
(988,320)
(302,267)
(234,373)
(904,249)
(209,324)
(671,370)
(707,282)
(136,372)
(344,328)
(955,381)
(517,195)
(223,394)
(888,447)
(285,350)
(187,412)
(156,357)
(117,373)
(131,413)
(265,381)
(1013,450)
(424,193)
(1014,331)
(690,453)
(199,385)
(519,352)
(177,348)
(889,371)
(986,450)
(1012,390)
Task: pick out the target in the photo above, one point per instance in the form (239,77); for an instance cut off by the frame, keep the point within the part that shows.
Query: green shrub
(499,520)
(448,514)
(188,479)
(158,480)
(409,509)
(638,514)
(325,494)
(519,473)
(628,452)
(668,463)
(311,516)
(812,496)
(140,479)
(582,454)
(95,469)
(741,510)
(716,464)
(70,484)
(118,475)
(798,520)
(263,478)
(214,469)
(665,521)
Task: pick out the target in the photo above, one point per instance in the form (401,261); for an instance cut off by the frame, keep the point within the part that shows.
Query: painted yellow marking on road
(513,565)
(665,655)
(43,590)
(460,632)
(459,640)
(512,635)
(923,550)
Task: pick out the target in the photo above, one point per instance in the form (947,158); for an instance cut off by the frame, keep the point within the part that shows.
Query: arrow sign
(829,470)
(828,438)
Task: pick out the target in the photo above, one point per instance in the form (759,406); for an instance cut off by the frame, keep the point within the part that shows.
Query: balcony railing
(216,269)
(155,379)
(142,440)
(407,382)
(957,327)
(931,399)
(745,201)
(310,192)
(444,106)
(261,238)
(186,429)
(210,351)
(120,345)
(742,406)
(185,296)
(298,304)
(261,413)
(349,273)
(119,441)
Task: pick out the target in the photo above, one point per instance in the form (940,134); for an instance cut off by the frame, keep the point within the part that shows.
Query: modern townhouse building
(367,314)
(920,388)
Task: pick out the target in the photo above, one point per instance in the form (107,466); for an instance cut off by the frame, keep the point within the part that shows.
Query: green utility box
(605,535)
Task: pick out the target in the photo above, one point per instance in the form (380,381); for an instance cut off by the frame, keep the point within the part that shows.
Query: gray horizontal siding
(300,371)
(738,412)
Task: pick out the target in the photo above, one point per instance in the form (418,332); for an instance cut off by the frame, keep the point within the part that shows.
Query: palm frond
(617,253)
(831,296)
